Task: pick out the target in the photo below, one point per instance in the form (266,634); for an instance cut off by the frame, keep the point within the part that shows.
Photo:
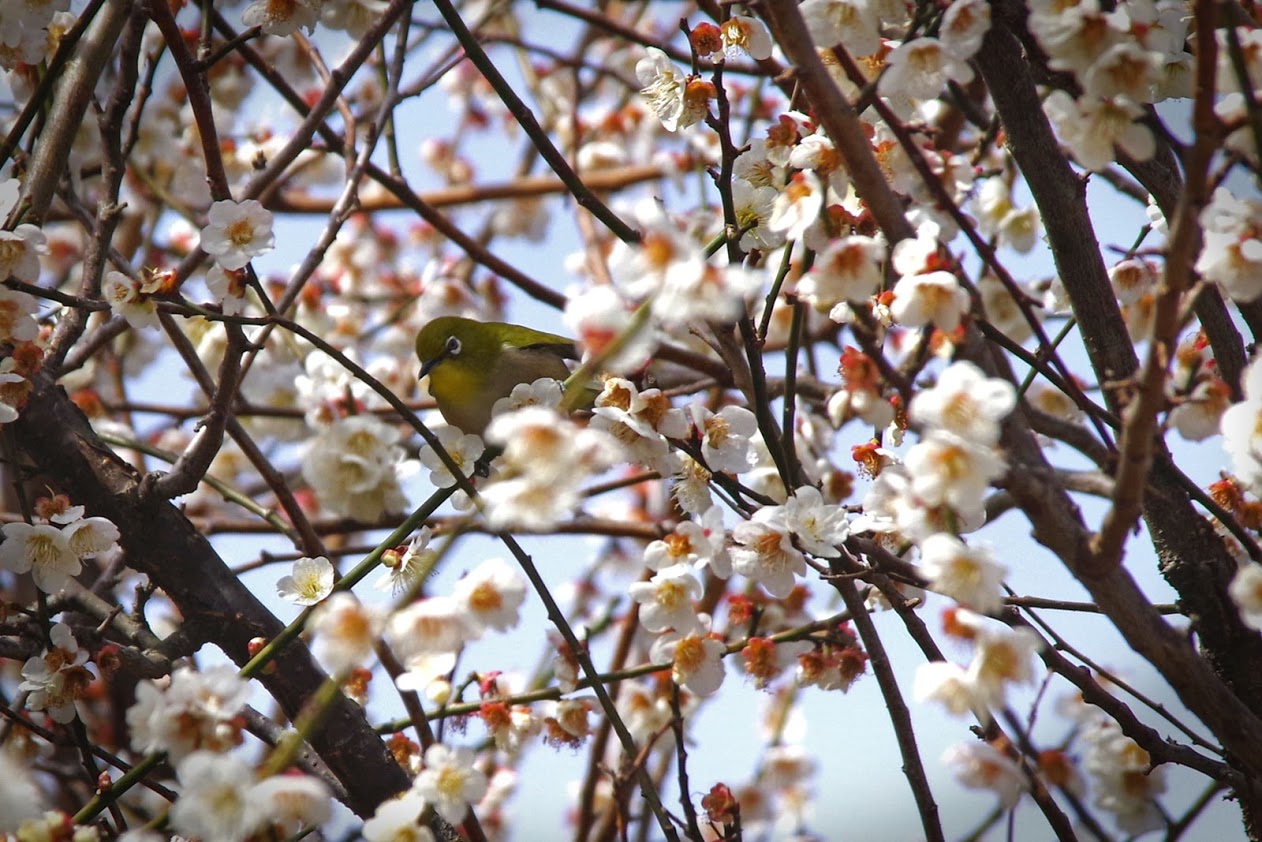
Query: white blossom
(980,765)
(450,782)
(309,581)
(346,632)
(492,594)
(216,803)
(666,600)
(237,232)
(43,551)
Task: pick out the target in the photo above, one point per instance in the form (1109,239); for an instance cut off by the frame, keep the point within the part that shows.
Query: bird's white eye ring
(453,346)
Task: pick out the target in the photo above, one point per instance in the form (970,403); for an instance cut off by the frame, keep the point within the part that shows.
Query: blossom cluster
(764,317)
(53,549)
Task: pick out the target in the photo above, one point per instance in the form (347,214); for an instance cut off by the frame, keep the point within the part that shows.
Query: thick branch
(161,543)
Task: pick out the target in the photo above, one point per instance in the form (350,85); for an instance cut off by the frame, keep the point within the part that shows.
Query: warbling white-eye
(473,364)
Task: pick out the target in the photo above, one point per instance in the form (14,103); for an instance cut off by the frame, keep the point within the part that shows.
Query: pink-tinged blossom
(41,550)
(602,320)
(965,402)
(1132,280)
(764,552)
(237,232)
(645,712)
(696,659)
(1233,110)
(816,152)
(913,256)
(969,575)
(1075,35)
(346,632)
(1199,415)
(979,765)
(717,294)
(1003,657)
(228,288)
(1228,81)
(450,782)
(640,421)
(545,459)
(892,506)
(666,600)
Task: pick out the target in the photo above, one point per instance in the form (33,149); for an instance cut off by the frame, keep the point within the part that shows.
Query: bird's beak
(429,365)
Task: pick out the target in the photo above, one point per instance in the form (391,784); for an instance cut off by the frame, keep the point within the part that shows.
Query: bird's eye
(453,346)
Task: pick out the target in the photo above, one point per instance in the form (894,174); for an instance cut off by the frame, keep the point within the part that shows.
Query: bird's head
(454,339)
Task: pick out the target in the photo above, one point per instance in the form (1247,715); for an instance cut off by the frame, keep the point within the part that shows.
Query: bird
(472,364)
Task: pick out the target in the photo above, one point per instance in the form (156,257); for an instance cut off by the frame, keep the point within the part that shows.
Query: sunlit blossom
(965,402)
(696,659)
(309,581)
(967,574)
(450,782)
(764,552)
(399,820)
(666,600)
(237,232)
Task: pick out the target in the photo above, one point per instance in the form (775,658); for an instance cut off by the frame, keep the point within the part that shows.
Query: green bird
(472,364)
